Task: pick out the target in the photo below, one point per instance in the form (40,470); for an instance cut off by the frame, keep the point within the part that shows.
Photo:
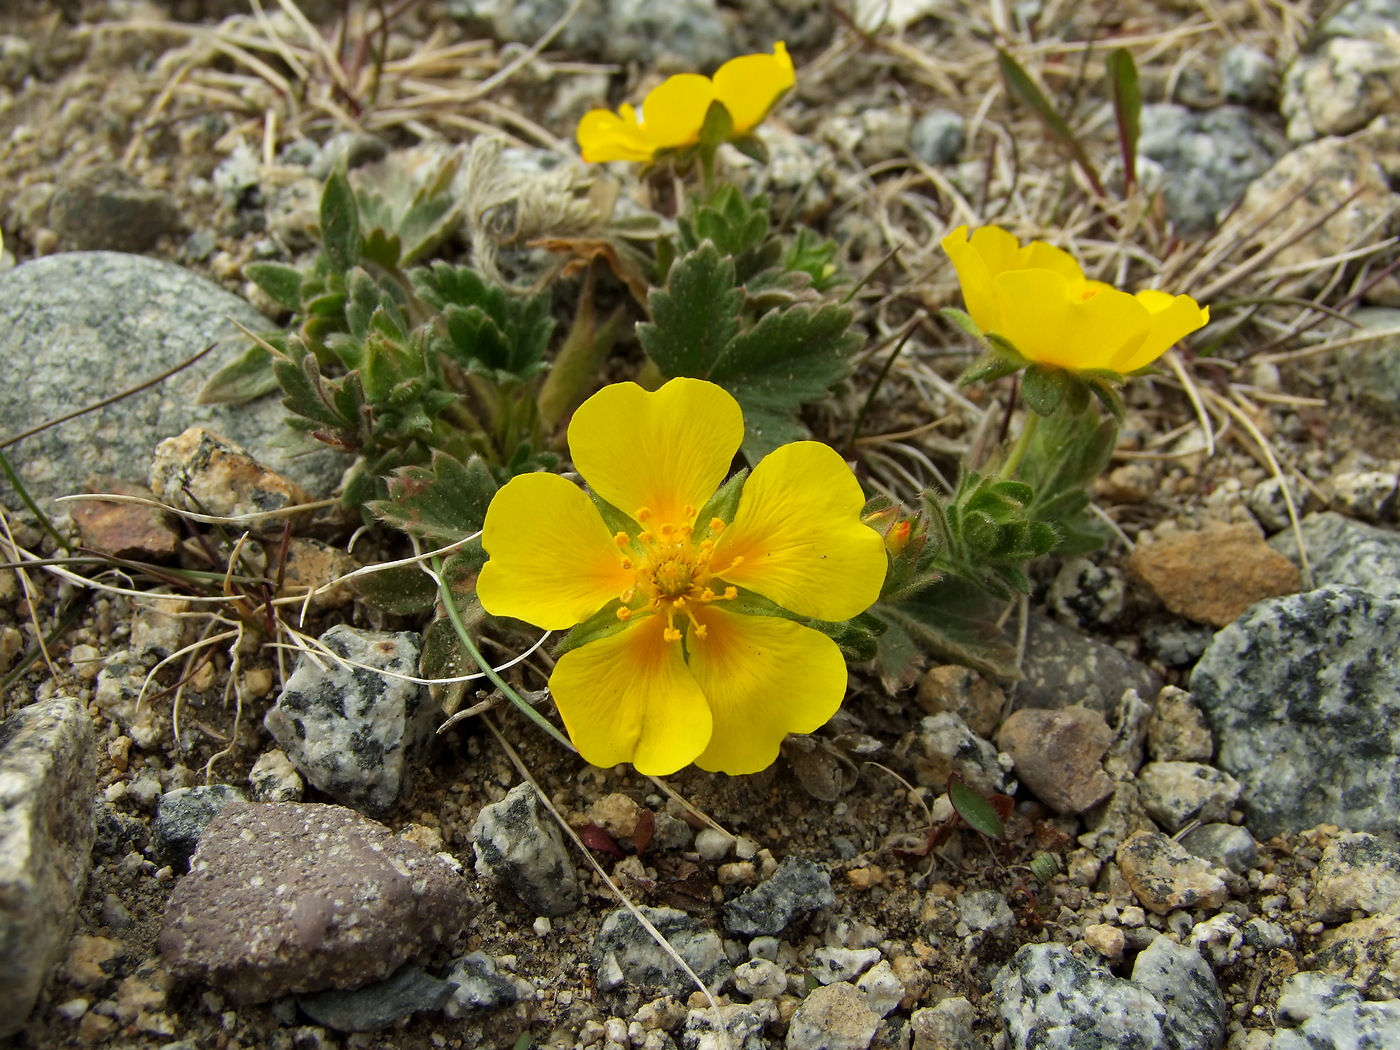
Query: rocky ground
(1202,743)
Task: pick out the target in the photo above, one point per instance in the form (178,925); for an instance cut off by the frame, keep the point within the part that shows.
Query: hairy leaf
(441,503)
(340,222)
(281,283)
(695,316)
(246,377)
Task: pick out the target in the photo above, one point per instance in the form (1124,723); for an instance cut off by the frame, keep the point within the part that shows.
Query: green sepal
(1044,387)
(614,519)
(602,624)
(752,147)
(962,320)
(718,126)
(724,503)
(991,366)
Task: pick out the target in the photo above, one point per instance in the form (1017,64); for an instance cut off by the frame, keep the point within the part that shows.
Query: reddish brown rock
(1164,877)
(1214,575)
(125,530)
(1059,755)
(299,897)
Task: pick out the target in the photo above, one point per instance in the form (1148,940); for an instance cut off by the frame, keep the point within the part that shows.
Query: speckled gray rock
(984,910)
(1366,494)
(688,36)
(1357,872)
(375,1006)
(1226,846)
(1248,76)
(1266,500)
(798,886)
(946,1026)
(520,847)
(478,986)
(830,965)
(1329,1014)
(1206,159)
(1176,793)
(938,136)
(78,327)
(1050,1000)
(48,778)
(1086,595)
(182,814)
(625,953)
(1177,729)
(942,745)
(1063,667)
(1165,877)
(1363,19)
(834,1017)
(1347,553)
(1341,86)
(1303,694)
(734,1026)
(351,732)
(1183,983)
(301,897)
(106,209)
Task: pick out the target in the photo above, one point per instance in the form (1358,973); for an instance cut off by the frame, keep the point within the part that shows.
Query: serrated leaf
(695,316)
(955,622)
(440,503)
(403,590)
(340,221)
(281,283)
(248,376)
(483,328)
(979,813)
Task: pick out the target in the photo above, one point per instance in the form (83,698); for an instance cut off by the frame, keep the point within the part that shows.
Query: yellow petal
(749,86)
(977,261)
(553,561)
(662,450)
(799,533)
(630,698)
(1171,317)
(764,678)
(1048,320)
(604,135)
(1041,256)
(674,112)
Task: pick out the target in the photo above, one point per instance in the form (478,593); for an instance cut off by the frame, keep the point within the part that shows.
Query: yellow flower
(684,675)
(673,114)
(1037,298)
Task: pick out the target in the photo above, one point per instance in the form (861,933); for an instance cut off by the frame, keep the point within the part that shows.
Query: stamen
(716,526)
(644,537)
(624,614)
(701,631)
(622,539)
(679,603)
(643,514)
(730,593)
(627,563)
(670,634)
(707,595)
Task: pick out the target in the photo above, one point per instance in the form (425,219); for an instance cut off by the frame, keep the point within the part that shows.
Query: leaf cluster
(741,309)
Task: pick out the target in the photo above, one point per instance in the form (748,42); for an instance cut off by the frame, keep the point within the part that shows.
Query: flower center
(673,571)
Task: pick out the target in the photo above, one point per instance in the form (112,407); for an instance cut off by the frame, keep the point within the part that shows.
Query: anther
(643,513)
(689,512)
(670,634)
(627,563)
(622,539)
(730,593)
(644,537)
(701,631)
(716,526)
(707,595)
(624,614)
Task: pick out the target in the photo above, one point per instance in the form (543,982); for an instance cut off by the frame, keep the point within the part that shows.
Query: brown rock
(300,897)
(964,692)
(1058,755)
(203,472)
(1366,953)
(125,530)
(311,565)
(1165,877)
(1177,730)
(1214,575)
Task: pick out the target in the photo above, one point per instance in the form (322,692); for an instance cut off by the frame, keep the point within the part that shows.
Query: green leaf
(281,283)
(441,503)
(1127,110)
(1022,87)
(403,590)
(695,316)
(247,377)
(483,328)
(340,222)
(980,814)
(952,620)
(788,358)
(1044,387)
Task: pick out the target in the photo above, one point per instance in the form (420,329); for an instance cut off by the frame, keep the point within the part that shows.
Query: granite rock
(942,745)
(1226,846)
(520,848)
(182,814)
(376,1006)
(1165,877)
(48,778)
(797,887)
(1324,1013)
(624,953)
(1181,980)
(1176,793)
(1365,953)
(1177,730)
(1341,86)
(1346,553)
(303,897)
(1304,700)
(1372,369)
(1063,667)
(352,732)
(79,326)
(833,1017)
(1357,872)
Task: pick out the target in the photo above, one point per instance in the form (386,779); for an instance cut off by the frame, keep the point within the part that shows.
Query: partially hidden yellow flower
(685,675)
(1037,298)
(673,114)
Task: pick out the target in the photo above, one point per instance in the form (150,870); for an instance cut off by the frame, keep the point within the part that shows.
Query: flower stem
(1018,450)
(464,636)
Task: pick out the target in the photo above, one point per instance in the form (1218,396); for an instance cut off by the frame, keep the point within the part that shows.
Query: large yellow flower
(685,676)
(673,114)
(1037,298)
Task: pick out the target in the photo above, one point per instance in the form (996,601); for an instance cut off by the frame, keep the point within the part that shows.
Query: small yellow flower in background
(673,114)
(684,677)
(1037,298)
